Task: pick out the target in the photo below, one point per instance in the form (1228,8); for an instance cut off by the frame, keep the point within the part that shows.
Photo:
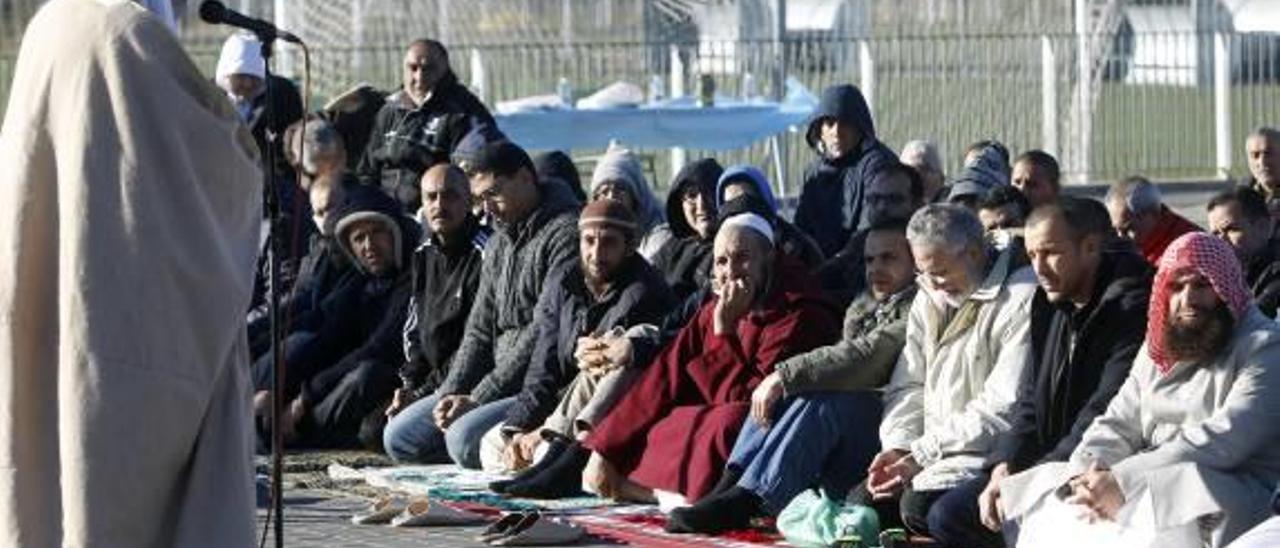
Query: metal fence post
(679,156)
(867,75)
(1222,102)
(1048,96)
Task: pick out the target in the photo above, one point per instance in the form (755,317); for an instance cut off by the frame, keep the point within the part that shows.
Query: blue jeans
(462,438)
(955,520)
(822,439)
(412,436)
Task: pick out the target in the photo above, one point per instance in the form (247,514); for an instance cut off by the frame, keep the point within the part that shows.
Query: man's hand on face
(733,304)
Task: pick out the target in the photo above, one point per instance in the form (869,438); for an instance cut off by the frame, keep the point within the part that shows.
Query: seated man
(894,193)
(610,288)
(1003,212)
(685,260)
(1240,217)
(1087,321)
(986,168)
(320,159)
(953,390)
(618,176)
(1186,452)
(673,430)
(536,233)
(1037,176)
(446,275)
(922,156)
(1137,213)
(1262,148)
(345,369)
(824,432)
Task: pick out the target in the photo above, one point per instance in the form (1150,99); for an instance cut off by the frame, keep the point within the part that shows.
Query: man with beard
(1239,216)
(420,125)
(610,288)
(1185,454)
(1086,326)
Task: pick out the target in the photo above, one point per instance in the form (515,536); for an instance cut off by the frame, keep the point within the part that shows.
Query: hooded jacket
(490,363)
(568,310)
(987,172)
(1079,360)
(685,261)
(366,322)
(619,164)
(407,139)
(831,201)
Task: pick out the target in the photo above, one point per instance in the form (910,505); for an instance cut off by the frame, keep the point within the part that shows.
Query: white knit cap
(241,54)
(752,221)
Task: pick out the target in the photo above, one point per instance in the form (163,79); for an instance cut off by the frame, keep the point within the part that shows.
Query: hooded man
(745,188)
(843,135)
(420,125)
(127,245)
(611,288)
(1087,321)
(344,369)
(673,430)
(985,170)
(558,165)
(536,232)
(1185,453)
(241,73)
(619,177)
(685,261)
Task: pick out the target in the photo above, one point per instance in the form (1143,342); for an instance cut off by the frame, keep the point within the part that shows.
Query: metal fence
(1158,106)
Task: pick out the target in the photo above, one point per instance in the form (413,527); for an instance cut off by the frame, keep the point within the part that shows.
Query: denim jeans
(412,436)
(822,439)
(462,438)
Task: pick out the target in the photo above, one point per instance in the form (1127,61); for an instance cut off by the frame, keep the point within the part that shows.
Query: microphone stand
(271,201)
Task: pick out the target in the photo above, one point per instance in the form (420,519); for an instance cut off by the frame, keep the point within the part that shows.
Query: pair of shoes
(725,511)
(530,529)
(555,448)
(402,512)
(560,479)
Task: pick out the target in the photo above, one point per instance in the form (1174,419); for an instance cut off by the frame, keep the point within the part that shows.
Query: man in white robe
(129,207)
(1186,452)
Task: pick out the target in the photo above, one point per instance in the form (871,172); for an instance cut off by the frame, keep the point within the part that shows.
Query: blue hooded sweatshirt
(831,202)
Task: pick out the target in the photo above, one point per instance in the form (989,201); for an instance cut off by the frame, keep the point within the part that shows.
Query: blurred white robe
(129,207)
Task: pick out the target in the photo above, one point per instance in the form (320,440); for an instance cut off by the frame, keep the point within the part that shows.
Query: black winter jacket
(567,310)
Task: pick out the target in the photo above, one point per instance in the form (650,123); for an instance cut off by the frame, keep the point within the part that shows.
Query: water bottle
(565,90)
(655,89)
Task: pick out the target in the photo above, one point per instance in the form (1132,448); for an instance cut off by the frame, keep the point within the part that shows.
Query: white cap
(751,221)
(241,54)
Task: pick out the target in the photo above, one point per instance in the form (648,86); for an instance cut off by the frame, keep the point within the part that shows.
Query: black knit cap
(501,158)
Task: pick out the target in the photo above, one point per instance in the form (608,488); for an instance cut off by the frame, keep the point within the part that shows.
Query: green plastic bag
(815,519)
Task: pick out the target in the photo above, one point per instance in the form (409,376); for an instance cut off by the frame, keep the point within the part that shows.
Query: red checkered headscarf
(1212,258)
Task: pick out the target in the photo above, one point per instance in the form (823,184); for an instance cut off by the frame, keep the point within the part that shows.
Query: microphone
(215,13)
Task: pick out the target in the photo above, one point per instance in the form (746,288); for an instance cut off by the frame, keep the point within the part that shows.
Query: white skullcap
(751,221)
(241,54)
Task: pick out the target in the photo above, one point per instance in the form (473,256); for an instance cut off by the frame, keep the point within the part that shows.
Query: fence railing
(1169,105)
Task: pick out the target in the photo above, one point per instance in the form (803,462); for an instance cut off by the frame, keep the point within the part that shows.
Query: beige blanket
(129,207)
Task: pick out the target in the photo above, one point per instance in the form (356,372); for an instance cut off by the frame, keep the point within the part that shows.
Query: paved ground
(320,519)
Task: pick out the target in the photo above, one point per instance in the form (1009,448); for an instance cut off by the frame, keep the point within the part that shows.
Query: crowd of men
(977,356)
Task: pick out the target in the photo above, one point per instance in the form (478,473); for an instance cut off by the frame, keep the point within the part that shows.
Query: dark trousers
(955,521)
(909,510)
(337,420)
